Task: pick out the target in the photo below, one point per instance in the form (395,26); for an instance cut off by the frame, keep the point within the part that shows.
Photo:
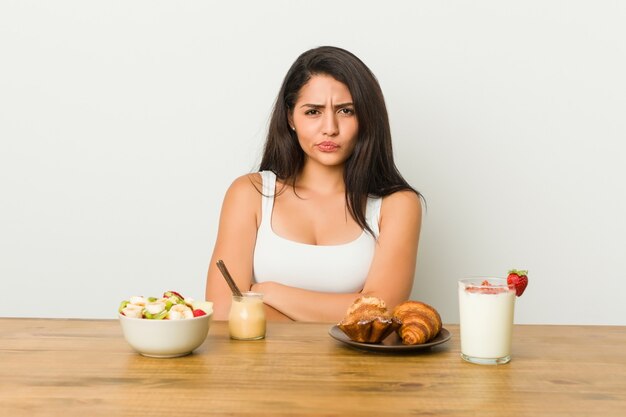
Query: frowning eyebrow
(321,106)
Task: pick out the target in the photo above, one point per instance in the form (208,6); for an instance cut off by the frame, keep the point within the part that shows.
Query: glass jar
(246,320)
(486,310)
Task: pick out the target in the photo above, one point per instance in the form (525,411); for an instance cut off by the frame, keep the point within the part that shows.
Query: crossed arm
(390,276)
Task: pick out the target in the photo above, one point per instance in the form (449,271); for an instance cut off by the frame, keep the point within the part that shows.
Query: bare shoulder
(404,203)
(243,198)
(246,187)
(401,219)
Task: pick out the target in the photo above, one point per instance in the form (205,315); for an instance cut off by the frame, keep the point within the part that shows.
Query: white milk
(486,321)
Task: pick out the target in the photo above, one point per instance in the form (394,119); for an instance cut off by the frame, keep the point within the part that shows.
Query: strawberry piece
(485,287)
(197,313)
(518,279)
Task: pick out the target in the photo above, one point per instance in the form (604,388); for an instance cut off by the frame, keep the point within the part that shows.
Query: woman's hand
(303,305)
(271,314)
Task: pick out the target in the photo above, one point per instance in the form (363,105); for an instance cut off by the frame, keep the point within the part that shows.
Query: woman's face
(324,121)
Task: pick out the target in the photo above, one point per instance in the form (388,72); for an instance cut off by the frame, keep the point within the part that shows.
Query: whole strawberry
(518,279)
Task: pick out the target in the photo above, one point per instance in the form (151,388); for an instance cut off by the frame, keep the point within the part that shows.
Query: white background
(122,123)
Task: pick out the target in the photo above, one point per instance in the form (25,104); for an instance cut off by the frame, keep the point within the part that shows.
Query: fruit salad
(171,306)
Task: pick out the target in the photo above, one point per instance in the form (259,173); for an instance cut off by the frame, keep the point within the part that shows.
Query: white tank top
(326,268)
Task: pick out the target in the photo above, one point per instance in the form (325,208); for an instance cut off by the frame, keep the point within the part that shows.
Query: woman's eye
(346,110)
(311,112)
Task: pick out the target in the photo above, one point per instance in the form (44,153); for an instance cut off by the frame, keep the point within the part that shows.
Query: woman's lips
(327,146)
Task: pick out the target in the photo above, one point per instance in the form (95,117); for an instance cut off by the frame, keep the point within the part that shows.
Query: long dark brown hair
(370,170)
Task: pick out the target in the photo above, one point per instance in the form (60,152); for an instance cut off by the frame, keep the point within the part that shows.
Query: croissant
(420,322)
(368,320)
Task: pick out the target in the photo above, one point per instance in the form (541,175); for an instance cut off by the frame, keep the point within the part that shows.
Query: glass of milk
(486,308)
(246,320)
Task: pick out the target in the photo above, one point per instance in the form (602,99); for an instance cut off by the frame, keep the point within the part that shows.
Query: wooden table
(52,367)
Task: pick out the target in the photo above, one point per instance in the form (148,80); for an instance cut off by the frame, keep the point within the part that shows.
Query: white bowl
(165,338)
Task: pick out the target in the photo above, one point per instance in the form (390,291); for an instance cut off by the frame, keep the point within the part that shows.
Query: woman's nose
(330,126)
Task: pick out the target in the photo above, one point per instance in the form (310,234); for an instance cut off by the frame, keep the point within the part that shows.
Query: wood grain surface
(51,367)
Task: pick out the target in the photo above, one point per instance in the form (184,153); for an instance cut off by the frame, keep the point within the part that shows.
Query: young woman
(328,218)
